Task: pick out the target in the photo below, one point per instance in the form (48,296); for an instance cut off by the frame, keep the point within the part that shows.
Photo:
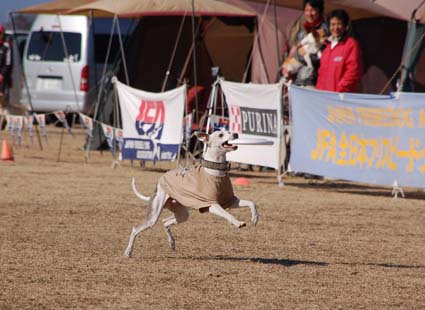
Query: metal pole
(167,74)
(276,32)
(195,77)
(124,62)
(25,81)
(102,84)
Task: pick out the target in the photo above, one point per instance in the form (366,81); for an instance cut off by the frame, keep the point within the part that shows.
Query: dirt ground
(64,226)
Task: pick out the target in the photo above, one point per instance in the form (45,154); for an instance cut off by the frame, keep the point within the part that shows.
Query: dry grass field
(64,226)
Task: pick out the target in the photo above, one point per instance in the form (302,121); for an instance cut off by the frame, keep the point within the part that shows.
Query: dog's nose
(235,136)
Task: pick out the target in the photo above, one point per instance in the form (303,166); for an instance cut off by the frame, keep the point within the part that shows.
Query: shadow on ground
(291,262)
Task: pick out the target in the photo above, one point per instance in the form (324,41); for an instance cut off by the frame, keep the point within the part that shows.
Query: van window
(48,46)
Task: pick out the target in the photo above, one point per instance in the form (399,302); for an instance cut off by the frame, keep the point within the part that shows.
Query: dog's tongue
(228,145)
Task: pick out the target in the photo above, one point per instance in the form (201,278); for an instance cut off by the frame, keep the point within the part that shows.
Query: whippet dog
(205,187)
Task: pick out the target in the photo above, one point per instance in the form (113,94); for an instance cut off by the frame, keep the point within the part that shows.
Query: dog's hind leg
(218,210)
(156,204)
(180,215)
(247,203)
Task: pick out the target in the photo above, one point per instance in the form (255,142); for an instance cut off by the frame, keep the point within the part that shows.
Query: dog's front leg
(218,210)
(180,215)
(247,203)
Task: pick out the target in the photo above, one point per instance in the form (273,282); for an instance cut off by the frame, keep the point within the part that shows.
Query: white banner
(41,120)
(15,124)
(152,122)
(87,123)
(119,137)
(28,121)
(61,116)
(108,131)
(255,112)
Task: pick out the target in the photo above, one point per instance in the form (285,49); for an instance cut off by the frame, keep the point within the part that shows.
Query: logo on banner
(259,122)
(235,119)
(150,121)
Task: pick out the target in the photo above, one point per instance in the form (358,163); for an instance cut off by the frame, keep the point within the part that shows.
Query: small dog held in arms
(205,187)
(309,45)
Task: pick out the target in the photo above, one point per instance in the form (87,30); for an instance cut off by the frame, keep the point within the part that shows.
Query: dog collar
(215,166)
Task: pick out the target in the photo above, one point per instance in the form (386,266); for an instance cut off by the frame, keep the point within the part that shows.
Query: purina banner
(365,138)
(152,122)
(255,112)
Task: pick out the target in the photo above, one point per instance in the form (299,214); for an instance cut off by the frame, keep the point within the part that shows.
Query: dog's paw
(254,215)
(127,253)
(241,224)
(171,240)
(254,219)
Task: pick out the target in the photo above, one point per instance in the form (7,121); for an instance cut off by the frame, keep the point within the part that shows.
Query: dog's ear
(202,136)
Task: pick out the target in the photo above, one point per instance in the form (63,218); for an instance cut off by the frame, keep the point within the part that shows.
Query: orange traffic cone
(6,152)
(241,181)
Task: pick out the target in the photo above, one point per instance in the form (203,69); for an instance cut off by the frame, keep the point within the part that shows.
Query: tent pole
(212,104)
(93,31)
(412,50)
(401,67)
(256,44)
(195,76)
(115,161)
(102,82)
(24,76)
(276,32)
(167,74)
(189,54)
(122,53)
(65,50)
(416,9)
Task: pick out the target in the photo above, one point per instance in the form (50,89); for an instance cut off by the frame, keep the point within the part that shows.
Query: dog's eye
(220,135)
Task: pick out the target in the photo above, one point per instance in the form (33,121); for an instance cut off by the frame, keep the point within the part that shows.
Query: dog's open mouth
(227,145)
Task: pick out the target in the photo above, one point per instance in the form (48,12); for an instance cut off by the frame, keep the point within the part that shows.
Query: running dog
(205,187)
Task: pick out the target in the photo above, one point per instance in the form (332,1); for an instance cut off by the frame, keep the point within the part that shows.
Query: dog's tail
(140,196)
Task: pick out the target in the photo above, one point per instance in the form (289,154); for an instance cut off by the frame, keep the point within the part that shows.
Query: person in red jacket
(341,65)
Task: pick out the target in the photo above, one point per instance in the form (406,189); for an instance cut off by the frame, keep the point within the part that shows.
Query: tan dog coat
(194,188)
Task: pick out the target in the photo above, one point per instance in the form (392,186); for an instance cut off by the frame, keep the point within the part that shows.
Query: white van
(66,81)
